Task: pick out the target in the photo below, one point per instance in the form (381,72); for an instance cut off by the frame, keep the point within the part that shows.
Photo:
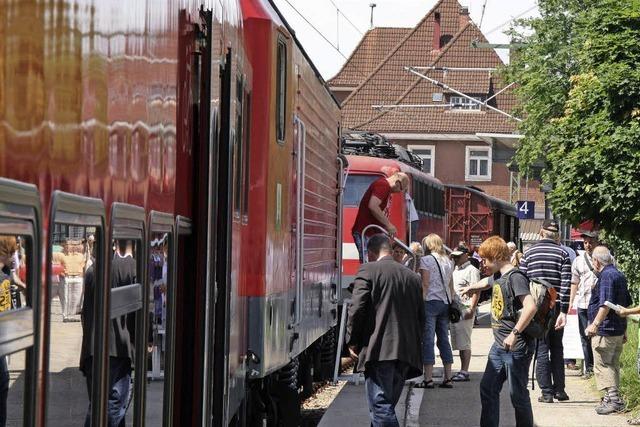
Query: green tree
(578,81)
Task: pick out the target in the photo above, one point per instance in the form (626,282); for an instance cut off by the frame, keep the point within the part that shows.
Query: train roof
(388,167)
(494,202)
(267,9)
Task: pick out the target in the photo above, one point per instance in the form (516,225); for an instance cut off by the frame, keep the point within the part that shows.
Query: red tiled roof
(372,49)
(390,84)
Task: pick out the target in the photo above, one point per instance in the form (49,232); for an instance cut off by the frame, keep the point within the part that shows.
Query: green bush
(629,378)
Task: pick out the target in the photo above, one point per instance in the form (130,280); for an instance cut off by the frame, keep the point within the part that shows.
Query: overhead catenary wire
(314,28)
(499,27)
(340,12)
(484,7)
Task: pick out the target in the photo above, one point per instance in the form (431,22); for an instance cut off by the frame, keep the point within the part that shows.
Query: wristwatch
(515,332)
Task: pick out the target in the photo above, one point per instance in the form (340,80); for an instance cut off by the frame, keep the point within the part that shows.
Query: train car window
(238,149)
(78,365)
(128,344)
(247,159)
(281,90)
(439,192)
(20,351)
(355,188)
(160,282)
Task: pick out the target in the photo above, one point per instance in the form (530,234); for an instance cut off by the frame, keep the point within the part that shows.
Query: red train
(201,135)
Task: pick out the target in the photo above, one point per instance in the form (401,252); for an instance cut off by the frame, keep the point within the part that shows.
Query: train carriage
(473,216)
(197,138)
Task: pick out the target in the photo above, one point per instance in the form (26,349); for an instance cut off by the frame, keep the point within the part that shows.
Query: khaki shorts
(461,334)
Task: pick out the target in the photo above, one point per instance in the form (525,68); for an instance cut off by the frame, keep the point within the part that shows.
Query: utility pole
(372,6)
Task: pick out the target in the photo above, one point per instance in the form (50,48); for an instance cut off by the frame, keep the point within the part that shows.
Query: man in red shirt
(373,205)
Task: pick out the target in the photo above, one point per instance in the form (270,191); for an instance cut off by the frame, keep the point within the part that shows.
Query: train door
(21,305)
(223,215)
(76,332)
(195,291)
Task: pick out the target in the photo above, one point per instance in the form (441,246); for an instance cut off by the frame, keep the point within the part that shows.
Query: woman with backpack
(436,272)
(512,308)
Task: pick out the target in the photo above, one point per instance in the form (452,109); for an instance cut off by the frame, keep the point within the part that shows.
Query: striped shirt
(548,261)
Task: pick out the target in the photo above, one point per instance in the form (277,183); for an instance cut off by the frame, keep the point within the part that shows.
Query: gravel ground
(314,407)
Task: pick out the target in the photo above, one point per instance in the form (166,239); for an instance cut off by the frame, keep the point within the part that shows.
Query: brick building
(461,141)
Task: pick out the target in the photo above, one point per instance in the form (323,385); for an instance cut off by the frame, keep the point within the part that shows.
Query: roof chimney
(464,16)
(436,31)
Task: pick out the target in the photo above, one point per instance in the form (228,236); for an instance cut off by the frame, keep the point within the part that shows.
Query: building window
(478,164)
(428,155)
(462,103)
(281,90)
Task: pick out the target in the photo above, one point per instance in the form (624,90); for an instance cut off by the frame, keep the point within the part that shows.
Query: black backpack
(545,297)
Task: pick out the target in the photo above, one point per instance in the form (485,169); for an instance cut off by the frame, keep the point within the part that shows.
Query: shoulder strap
(445,285)
(586,258)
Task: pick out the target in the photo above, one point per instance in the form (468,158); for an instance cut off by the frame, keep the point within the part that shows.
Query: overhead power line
(355,27)
(510,20)
(484,7)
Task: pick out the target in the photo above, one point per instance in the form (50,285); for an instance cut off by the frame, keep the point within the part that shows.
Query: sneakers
(461,377)
(609,407)
(561,396)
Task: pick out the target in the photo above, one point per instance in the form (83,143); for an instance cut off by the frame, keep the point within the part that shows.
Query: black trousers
(550,363)
(583,322)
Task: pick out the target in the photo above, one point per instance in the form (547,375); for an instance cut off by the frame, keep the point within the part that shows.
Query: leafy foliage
(579,89)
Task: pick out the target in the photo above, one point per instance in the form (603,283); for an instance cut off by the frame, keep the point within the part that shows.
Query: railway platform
(460,406)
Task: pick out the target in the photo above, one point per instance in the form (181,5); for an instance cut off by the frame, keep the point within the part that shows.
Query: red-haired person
(512,351)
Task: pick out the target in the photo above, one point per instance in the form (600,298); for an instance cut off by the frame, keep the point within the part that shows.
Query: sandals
(460,377)
(425,384)
(446,384)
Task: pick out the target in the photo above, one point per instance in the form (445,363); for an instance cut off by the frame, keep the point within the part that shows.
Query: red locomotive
(426,192)
(201,135)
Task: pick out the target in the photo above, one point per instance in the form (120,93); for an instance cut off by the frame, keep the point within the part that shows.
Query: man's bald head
(399,182)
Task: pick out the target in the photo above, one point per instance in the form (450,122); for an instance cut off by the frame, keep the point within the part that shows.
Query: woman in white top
(436,272)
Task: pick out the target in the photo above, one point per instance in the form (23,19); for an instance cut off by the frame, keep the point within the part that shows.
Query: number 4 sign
(526,209)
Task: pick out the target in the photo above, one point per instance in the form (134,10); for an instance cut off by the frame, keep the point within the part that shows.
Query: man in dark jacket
(384,328)
(121,337)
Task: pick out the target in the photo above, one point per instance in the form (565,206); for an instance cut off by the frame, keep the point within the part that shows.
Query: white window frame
(468,158)
(467,104)
(432,157)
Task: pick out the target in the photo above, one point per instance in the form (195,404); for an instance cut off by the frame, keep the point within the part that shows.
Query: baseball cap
(459,251)
(551,225)
(593,234)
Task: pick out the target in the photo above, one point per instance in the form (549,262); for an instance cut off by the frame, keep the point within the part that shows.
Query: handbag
(455,314)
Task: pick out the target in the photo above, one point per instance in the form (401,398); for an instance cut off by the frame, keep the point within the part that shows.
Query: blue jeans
(511,366)
(583,322)
(4,390)
(436,325)
(550,363)
(383,383)
(119,389)
(357,239)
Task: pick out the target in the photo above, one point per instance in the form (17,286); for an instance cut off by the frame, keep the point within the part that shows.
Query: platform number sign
(526,209)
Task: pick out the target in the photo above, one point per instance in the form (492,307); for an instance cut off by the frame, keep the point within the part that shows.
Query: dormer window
(462,103)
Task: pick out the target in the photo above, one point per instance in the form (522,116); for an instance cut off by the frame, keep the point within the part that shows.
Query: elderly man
(374,204)
(583,280)
(547,260)
(606,329)
(384,328)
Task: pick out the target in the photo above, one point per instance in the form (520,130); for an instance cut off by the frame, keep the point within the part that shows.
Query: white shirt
(586,279)
(463,276)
